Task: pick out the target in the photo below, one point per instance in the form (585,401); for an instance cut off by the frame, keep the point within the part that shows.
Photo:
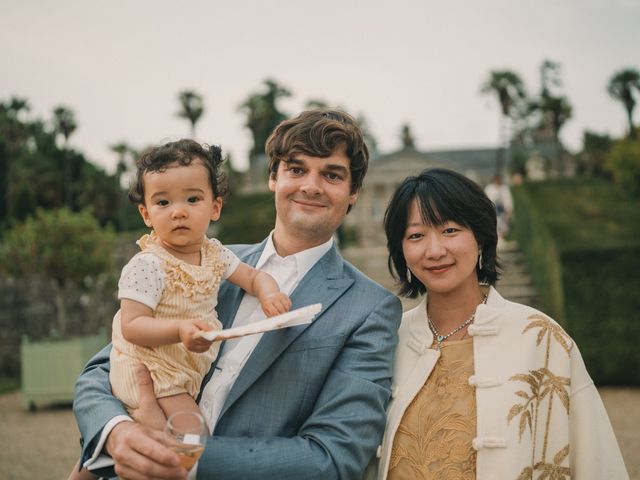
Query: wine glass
(186,434)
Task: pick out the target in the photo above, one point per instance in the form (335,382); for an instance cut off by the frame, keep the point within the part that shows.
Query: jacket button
(394,391)
(379,451)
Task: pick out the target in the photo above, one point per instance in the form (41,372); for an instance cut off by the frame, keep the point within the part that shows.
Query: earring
(408,275)
(480,261)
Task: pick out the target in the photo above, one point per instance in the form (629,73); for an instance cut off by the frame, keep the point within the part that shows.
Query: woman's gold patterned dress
(434,438)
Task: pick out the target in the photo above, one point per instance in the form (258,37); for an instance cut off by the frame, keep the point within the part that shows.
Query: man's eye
(333,176)
(296,170)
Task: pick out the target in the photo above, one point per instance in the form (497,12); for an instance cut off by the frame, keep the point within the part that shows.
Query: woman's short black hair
(442,195)
(183,152)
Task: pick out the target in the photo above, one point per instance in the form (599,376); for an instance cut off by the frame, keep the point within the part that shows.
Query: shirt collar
(305,259)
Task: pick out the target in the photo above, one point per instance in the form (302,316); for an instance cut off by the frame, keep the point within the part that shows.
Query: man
(303,402)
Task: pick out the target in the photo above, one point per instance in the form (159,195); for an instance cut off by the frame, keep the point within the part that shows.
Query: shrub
(63,246)
(624,162)
(582,242)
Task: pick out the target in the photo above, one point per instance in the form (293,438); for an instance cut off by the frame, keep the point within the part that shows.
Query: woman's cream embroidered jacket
(539,413)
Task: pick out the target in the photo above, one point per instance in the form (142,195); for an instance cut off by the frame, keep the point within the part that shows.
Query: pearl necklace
(441,338)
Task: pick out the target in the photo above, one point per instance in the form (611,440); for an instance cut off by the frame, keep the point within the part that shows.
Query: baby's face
(179,204)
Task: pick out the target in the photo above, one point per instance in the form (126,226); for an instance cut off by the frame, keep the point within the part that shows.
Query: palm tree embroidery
(543,384)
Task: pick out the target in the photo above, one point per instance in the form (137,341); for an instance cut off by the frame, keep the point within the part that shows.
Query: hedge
(581,239)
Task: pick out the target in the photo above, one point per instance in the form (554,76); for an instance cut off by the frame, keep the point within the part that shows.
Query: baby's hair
(183,152)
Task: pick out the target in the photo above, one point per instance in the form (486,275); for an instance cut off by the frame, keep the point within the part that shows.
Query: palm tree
(509,89)
(192,108)
(13,130)
(64,124)
(124,152)
(622,86)
(558,111)
(263,116)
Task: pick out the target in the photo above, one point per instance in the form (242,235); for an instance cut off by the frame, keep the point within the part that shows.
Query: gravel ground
(44,444)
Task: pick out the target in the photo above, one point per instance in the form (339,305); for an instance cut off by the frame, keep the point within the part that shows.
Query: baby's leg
(83,474)
(182,402)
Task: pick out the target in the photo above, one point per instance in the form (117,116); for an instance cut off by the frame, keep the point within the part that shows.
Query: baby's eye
(163,203)
(193,199)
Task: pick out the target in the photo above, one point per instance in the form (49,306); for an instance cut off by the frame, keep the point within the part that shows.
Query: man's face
(312,198)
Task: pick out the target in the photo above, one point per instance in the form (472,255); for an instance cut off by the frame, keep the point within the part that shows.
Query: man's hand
(138,450)
(139,454)
(275,303)
(189,332)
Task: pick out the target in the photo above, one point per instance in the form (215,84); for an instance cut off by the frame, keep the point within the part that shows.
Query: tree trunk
(61,309)
(632,131)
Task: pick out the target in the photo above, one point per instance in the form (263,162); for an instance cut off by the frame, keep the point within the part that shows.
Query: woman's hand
(189,333)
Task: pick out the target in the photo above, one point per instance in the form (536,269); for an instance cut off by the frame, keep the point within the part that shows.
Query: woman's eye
(414,236)
(450,230)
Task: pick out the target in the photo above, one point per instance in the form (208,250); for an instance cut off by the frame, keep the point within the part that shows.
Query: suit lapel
(229,298)
(324,284)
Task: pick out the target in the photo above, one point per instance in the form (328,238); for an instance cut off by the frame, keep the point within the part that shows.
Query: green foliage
(582,241)
(601,288)
(9,384)
(38,173)
(595,151)
(624,162)
(58,244)
(247,218)
(535,240)
(263,114)
(624,86)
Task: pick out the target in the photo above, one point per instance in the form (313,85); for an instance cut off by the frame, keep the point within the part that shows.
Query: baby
(168,291)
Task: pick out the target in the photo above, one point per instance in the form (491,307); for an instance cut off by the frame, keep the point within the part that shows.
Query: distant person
(500,195)
(168,292)
(307,402)
(485,388)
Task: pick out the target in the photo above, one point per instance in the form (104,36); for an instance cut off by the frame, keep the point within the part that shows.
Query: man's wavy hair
(319,133)
(183,152)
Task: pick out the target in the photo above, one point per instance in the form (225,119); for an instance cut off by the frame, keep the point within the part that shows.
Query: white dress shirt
(287,272)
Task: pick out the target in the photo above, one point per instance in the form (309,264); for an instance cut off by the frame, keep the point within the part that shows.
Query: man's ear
(144,213)
(272,182)
(352,198)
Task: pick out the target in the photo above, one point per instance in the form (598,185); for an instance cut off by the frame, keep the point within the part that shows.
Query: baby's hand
(275,303)
(189,332)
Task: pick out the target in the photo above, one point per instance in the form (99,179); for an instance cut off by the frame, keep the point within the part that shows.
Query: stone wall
(27,307)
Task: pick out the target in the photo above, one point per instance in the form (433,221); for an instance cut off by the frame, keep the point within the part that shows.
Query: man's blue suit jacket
(310,401)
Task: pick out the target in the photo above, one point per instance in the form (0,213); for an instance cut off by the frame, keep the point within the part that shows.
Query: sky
(119,65)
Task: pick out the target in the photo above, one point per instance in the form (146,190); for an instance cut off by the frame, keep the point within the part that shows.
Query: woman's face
(443,257)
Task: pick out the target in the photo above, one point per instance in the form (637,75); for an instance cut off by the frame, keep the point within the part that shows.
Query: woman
(483,387)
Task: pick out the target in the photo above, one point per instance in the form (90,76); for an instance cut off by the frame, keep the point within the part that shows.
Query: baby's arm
(263,286)
(140,327)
